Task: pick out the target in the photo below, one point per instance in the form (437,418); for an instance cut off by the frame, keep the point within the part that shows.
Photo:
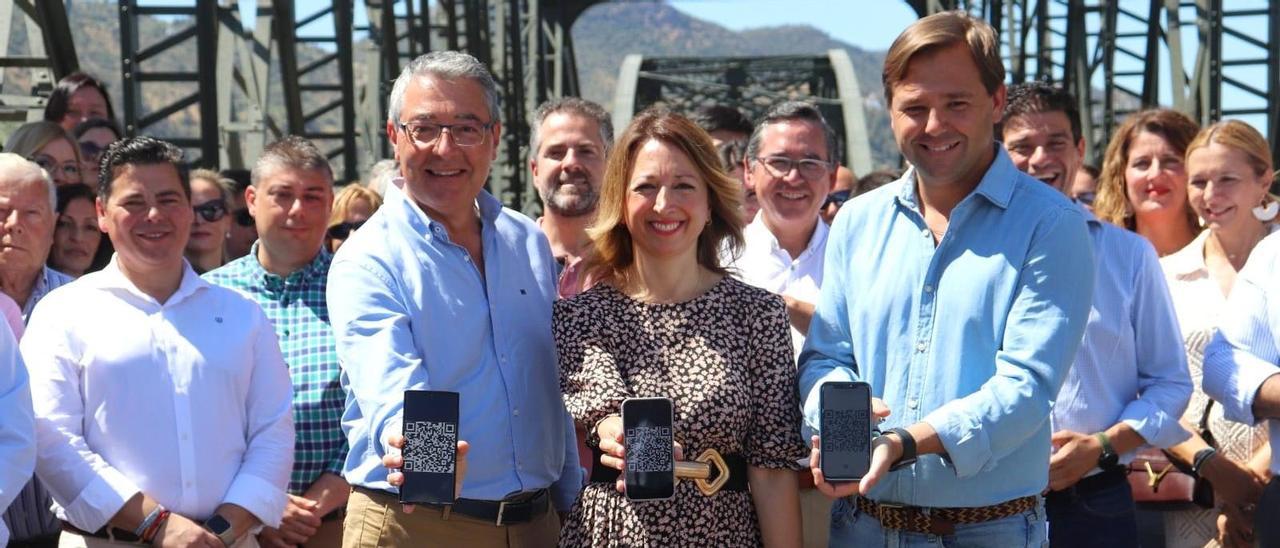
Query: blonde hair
(225,186)
(347,197)
(613,257)
(1112,204)
(28,139)
(1244,138)
(941,30)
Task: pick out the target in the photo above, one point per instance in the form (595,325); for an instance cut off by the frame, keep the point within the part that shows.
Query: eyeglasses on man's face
(211,211)
(781,166)
(465,134)
(68,170)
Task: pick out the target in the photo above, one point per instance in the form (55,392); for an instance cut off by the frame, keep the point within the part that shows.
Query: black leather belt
(520,508)
(108,533)
(737,471)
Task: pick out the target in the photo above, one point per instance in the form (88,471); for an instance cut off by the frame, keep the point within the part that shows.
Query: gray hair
(447,65)
(380,175)
(794,111)
(291,152)
(18,169)
(576,107)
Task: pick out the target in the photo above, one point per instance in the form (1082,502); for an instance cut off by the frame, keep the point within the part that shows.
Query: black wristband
(1202,457)
(908,448)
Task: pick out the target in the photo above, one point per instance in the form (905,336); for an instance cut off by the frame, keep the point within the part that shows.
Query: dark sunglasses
(343,230)
(242,217)
(90,150)
(1086,198)
(838,198)
(211,211)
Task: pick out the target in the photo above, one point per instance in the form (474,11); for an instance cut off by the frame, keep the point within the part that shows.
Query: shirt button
(920,346)
(188,485)
(913,403)
(928,289)
(926,234)
(185,437)
(515,412)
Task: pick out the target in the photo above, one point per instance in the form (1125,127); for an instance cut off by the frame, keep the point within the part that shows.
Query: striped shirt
(30,516)
(296,306)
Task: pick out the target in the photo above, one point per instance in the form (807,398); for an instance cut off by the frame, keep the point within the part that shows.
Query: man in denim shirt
(444,289)
(960,293)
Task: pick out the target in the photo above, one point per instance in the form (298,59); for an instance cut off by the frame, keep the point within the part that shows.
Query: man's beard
(564,204)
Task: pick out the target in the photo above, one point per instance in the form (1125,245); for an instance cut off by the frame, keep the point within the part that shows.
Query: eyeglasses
(242,217)
(68,169)
(810,168)
(342,230)
(1087,197)
(838,198)
(465,134)
(211,211)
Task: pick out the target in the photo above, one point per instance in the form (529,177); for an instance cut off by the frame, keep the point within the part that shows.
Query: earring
(1266,211)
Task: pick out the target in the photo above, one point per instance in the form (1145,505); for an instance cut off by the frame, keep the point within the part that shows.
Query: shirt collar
(113,278)
(757,229)
(996,186)
(317,267)
(488,207)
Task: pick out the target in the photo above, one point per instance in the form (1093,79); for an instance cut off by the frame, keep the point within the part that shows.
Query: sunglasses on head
(838,198)
(343,230)
(242,217)
(211,211)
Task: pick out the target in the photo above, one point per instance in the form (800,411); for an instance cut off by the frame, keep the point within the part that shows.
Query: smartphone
(430,447)
(845,427)
(649,454)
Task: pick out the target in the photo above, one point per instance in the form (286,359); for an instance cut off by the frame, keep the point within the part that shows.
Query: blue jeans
(1097,518)
(851,527)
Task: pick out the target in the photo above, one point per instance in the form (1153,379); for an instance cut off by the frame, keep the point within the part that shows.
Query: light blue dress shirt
(17,424)
(1244,352)
(973,336)
(1128,348)
(410,311)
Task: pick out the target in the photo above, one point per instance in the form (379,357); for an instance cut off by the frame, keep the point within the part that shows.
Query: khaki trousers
(815,518)
(72,540)
(375,519)
(329,535)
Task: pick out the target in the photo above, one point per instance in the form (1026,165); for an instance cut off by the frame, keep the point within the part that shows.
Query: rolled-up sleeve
(262,482)
(827,355)
(1043,331)
(1164,383)
(17,424)
(1243,353)
(89,489)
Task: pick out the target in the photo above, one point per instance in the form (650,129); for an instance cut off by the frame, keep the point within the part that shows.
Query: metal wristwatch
(220,527)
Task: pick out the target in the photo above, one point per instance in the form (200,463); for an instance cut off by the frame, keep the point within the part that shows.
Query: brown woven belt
(940,521)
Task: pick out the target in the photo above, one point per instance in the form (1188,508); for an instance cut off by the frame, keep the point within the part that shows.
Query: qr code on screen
(845,430)
(430,446)
(649,449)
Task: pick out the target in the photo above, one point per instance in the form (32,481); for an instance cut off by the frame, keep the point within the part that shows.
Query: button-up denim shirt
(973,336)
(411,311)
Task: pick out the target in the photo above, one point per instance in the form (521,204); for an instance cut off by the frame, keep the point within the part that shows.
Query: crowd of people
(204,358)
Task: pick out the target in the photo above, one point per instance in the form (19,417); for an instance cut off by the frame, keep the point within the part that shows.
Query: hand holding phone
(845,426)
(649,448)
(429,456)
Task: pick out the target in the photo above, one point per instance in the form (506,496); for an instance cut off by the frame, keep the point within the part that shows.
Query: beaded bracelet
(147,521)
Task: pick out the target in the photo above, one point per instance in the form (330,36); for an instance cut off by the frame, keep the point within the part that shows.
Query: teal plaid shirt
(296,306)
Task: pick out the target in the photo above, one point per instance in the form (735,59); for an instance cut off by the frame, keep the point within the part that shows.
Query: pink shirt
(12,315)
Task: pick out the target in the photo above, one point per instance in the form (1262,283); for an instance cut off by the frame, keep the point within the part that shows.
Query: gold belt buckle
(699,470)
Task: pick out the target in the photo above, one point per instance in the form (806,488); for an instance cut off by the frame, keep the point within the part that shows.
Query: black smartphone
(430,447)
(845,427)
(650,457)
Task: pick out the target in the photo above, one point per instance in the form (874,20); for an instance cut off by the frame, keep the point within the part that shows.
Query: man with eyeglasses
(444,289)
(791,163)
(570,139)
(286,271)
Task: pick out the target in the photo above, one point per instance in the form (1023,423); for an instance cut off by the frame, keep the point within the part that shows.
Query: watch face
(217,524)
(1108,460)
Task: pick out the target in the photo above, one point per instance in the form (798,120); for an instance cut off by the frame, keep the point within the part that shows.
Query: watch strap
(1202,456)
(908,448)
(1107,450)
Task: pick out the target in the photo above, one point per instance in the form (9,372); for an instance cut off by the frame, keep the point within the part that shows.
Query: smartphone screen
(650,457)
(430,448)
(846,430)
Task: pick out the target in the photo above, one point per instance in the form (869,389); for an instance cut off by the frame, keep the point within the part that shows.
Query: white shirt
(1245,351)
(187,401)
(1197,297)
(768,266)
(17,431)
